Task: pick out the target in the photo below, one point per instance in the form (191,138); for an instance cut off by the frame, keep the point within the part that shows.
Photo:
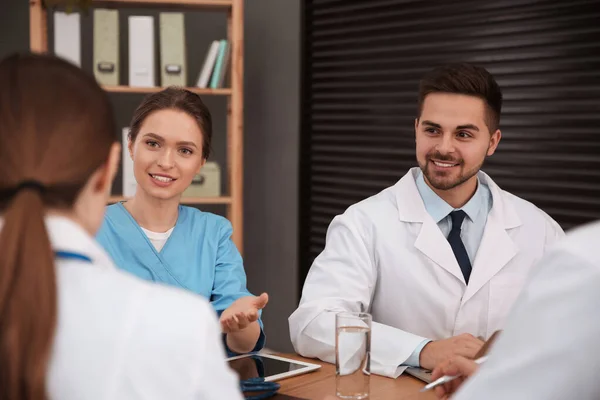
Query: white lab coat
(549,347)
(387,256)
(119,337)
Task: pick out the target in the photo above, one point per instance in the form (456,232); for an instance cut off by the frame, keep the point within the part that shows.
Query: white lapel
(430,239)
(496,248)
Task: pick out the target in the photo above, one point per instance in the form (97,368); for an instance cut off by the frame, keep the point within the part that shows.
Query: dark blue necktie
(457,245)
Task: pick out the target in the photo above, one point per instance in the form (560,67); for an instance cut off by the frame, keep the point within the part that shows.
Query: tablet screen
(260,366)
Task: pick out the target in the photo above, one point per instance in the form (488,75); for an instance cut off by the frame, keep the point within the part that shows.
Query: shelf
(185,200)
(132,89)
(201,4)
(233,11)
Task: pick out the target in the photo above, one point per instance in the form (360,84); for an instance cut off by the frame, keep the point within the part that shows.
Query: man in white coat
(437,259)
(546,350)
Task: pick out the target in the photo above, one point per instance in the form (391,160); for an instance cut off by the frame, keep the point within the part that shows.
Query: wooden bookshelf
(38,30)
(200,91)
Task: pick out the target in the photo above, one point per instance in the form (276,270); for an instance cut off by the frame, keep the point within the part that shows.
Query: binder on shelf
(129,182)
(209,63)
(224,65)
(67,36)
(141,51)
(172,49)
(214,80)
(106,46)
(207,183)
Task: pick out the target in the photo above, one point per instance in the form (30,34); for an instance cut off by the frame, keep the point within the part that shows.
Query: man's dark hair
(467,79)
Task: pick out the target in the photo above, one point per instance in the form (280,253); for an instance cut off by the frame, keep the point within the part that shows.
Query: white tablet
(271,367)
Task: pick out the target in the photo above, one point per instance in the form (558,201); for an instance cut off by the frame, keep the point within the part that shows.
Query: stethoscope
(68,255)
(258,384)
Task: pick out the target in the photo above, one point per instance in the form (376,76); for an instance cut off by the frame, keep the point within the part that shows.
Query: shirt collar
(474,205)
(439,209)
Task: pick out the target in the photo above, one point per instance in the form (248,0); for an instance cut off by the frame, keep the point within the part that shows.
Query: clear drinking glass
(352,355)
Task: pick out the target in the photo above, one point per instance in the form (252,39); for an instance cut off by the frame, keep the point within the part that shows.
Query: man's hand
(244,311)
(438,351)
(454,366)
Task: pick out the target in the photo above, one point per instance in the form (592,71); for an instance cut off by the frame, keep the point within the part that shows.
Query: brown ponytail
(56,128)
(27,298)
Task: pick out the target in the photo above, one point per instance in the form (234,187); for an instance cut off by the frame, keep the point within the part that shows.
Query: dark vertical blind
(362,61)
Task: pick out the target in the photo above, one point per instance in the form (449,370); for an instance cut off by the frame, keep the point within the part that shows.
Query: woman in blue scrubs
(156,238)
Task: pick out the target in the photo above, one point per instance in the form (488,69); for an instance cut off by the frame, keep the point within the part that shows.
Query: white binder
(106,46)
(141,51)
(173,70)
(67,36)
(129,182)
(209,63)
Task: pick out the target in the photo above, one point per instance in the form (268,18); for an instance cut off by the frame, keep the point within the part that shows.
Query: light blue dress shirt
(477,210)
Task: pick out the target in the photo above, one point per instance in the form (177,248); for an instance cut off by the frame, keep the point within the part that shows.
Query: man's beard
(439,181)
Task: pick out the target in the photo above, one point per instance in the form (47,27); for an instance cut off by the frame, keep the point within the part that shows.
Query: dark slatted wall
(362,60)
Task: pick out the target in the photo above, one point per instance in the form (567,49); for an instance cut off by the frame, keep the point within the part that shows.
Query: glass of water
(352,355)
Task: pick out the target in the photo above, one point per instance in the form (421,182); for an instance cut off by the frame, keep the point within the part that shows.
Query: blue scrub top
(198,256)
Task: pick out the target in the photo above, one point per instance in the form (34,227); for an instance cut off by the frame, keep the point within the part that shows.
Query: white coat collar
(67,235)
(412,209)
(496,248)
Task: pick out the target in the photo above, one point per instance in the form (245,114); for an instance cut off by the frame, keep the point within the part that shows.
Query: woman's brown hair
(175,98)
(56,129)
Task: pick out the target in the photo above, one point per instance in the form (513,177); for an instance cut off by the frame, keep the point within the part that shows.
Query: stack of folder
(142,58)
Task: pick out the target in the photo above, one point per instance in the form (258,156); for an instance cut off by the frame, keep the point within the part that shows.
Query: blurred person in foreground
(548,348)
(72,325)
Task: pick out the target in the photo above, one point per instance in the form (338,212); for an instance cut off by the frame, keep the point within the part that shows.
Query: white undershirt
(158,239)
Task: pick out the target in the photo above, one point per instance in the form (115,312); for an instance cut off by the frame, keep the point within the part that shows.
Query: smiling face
(453,139)
(167,153)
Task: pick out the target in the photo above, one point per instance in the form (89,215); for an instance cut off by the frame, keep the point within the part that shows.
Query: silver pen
(448,378)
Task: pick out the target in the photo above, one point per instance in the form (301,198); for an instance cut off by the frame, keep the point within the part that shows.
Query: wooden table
(321,383)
